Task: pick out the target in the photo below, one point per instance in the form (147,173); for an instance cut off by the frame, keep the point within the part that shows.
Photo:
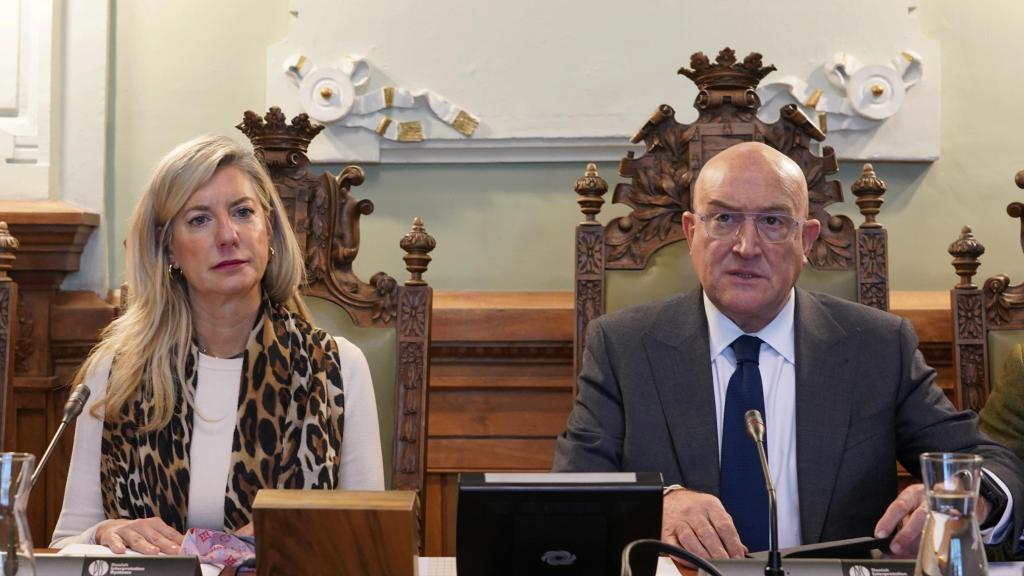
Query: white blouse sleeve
(362,463)
(83,501)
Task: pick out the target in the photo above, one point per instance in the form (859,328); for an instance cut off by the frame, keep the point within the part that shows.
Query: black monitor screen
(558,524)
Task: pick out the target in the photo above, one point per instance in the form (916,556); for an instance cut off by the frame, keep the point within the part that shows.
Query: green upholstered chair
(388,321)
(988,321)
(643,256)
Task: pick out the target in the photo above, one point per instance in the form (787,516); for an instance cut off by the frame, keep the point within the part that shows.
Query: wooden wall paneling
(52,235)
(33,418)
(501,387)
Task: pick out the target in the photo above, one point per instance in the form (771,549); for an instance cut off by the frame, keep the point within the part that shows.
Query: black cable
(659,546)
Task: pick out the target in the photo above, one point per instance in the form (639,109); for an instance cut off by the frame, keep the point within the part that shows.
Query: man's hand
(145,536)
(909,512)
(699,523)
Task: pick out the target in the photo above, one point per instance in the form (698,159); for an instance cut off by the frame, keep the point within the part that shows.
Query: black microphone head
(755,425)
(76,401)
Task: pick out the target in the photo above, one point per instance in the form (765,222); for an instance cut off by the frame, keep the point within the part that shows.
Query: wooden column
(8,313)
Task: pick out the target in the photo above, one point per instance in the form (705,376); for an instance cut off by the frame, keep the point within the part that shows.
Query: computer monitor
(563,524)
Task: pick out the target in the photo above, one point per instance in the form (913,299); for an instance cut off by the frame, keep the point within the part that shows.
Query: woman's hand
(247,530)
(145,536)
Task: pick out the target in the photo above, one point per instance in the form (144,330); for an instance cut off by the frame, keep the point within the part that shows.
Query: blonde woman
(213,383)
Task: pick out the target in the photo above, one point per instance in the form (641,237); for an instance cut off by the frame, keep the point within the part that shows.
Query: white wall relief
(855,97)
(26,32)
(329,94)
(557,81)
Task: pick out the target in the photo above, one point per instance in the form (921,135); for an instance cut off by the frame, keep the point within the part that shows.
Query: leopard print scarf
(288,432)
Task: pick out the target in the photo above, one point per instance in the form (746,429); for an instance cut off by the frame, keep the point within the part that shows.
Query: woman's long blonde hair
(157,322)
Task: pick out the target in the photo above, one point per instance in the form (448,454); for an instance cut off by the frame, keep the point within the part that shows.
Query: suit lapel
(822,409)
(677,350)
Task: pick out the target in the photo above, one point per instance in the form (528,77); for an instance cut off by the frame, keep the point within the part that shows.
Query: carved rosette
(872,258)
(972,376)
(968,316)
(873,267)
(589,252)
(414,313)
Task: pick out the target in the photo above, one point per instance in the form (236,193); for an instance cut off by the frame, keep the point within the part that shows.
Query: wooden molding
(52,235)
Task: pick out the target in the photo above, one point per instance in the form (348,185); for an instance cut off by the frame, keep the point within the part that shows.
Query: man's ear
(811,230)
(689,221)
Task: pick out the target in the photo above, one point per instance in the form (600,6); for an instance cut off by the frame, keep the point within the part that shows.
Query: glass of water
(16,557)
(951,543)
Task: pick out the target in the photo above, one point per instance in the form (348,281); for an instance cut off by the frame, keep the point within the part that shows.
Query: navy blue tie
(742,482)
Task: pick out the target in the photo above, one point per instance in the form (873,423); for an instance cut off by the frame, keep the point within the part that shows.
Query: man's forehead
(758,185)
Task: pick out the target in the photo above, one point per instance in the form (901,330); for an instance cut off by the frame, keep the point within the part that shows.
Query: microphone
(755,429)
(72,408)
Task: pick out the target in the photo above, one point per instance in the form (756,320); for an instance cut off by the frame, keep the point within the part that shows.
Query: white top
(362,465)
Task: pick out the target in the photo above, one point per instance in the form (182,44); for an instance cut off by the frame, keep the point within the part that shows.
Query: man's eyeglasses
(772,228)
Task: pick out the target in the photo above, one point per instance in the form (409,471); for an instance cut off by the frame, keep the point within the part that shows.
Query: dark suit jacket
(864,399)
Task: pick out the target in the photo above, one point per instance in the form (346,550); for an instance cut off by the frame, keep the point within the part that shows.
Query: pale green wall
(188,67)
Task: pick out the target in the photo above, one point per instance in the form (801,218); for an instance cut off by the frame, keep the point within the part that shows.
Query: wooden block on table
(336,532)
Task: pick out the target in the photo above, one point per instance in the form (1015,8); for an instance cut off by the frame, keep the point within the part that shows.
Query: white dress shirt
(777,363)
(213,429)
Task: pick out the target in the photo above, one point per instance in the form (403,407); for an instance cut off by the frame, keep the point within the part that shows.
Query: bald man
(843,388)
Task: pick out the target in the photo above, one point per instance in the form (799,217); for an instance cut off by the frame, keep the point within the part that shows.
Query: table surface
(445,566)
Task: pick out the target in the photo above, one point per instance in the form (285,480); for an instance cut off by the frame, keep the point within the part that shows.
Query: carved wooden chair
(642,256)
(389,322)
(988,321)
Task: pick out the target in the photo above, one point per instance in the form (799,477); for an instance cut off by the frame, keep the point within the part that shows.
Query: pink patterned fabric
(214,547)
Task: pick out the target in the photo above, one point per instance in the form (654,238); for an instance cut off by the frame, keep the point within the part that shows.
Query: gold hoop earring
(272,254)
(172,272)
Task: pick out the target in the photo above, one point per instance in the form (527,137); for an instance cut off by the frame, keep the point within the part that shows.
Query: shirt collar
(778,333)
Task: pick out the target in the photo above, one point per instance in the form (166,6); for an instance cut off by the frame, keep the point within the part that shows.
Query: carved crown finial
(417,244)
(8,246)
(590,189)
(273,132)
(869,189)
(726,72)
(965,251)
